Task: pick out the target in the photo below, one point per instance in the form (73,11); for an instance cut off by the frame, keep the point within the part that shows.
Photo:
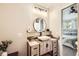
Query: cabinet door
(42,50)
(45,47)
(48,46)
(35,50)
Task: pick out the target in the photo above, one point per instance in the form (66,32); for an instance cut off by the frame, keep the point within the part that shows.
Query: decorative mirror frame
(45,25)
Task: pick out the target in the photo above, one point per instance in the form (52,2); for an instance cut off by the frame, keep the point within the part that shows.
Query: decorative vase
(4,53)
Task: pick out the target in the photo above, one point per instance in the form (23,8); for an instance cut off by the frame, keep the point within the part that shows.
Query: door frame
(61,51)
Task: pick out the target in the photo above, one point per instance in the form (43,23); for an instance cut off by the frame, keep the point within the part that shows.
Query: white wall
(55,22)
(14,19)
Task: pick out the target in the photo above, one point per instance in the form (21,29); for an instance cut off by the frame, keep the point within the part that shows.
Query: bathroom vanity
(37,47)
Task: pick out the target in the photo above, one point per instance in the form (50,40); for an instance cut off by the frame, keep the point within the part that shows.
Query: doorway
(69,30)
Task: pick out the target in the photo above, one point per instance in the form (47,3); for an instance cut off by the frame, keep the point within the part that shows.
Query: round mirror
(39,24)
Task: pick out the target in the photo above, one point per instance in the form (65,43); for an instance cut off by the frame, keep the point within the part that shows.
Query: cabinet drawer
(54,46)
(55,42)
(55,54)
(55,49)
(35,50)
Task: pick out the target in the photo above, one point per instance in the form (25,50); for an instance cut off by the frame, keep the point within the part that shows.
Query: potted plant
(4,45)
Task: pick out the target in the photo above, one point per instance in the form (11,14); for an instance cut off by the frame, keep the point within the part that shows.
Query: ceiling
(54,5)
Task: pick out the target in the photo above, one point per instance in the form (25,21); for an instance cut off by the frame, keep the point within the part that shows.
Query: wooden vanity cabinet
(33,50)
(43,47)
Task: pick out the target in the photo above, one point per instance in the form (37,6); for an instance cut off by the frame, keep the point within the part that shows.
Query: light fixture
(40,11)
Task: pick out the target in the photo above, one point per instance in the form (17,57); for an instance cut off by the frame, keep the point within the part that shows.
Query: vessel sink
(43,38)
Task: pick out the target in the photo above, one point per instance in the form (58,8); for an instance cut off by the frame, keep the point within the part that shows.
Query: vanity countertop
(33,42)
(52,39)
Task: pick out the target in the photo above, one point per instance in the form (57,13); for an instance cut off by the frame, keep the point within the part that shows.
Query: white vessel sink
(43,38)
